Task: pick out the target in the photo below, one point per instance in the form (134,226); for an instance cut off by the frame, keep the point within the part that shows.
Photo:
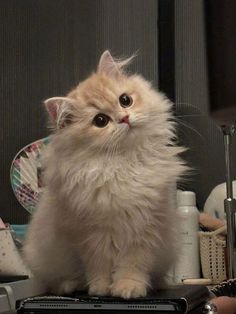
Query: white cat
(106,220)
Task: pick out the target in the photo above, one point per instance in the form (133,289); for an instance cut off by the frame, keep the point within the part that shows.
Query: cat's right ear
(108,65)
(59,110)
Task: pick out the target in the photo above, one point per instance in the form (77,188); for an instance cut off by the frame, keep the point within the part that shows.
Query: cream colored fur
(107,219)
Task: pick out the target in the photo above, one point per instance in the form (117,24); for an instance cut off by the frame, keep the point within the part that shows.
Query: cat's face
(110,110)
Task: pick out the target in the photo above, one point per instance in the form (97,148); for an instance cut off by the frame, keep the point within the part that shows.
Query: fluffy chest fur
(111,184)
(121,199)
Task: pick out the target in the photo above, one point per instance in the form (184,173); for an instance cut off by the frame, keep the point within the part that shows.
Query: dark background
(48,46)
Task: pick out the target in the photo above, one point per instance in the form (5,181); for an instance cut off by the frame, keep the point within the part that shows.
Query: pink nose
(124,120)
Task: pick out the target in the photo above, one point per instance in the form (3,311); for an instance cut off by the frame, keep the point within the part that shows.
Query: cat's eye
(125,100)
(101,120)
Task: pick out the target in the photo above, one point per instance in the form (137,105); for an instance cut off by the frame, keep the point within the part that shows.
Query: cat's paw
(67,287)
(100,287)
(128,288)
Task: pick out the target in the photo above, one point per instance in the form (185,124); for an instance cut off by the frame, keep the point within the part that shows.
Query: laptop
(176,299)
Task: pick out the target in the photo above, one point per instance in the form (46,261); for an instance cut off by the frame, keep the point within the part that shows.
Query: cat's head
(111,109)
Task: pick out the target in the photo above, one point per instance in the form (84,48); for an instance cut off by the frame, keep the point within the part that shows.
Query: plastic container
(188,263)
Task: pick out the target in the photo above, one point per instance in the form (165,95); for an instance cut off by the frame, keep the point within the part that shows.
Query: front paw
(128,288)
(66,287)
(100,287)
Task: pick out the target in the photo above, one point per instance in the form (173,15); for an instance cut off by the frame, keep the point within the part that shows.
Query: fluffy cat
(106,220)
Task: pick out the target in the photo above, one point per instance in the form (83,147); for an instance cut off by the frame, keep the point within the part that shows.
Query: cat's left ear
(108,65)
(59,110)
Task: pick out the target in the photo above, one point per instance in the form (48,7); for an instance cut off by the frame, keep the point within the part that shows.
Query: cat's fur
(106,220)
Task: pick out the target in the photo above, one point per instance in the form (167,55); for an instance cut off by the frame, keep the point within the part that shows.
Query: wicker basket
(212,254)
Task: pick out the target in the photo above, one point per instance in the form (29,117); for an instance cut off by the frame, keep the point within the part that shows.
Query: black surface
(22,311)
(184,298)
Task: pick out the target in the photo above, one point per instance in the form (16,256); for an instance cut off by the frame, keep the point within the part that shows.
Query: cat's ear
(108,65)
(59,110)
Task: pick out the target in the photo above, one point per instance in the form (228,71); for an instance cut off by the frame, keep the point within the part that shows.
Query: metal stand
(229,203)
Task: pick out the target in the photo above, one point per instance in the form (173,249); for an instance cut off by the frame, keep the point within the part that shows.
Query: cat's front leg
(98,275)
(131,277)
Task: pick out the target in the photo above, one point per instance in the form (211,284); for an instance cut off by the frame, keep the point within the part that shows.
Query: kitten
(107,220)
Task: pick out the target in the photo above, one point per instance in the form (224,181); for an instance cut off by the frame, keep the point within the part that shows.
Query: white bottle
(188,263)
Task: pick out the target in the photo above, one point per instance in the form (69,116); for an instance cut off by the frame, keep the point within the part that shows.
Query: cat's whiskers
(140,119)
(107,143)
(179,113)
(107,147)
(103,147)
(187,105)
(113,151)
(187,125)
(189,115)
(115,144)
(112,143)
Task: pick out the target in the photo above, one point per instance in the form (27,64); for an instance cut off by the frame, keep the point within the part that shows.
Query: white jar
(188,263)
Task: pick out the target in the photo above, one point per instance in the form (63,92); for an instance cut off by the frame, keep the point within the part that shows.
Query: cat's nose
(125,119)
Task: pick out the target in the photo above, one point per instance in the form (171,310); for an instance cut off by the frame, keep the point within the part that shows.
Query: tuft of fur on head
(111,65)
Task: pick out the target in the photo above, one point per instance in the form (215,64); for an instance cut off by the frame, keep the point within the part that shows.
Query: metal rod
(227,143)
(229,203)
